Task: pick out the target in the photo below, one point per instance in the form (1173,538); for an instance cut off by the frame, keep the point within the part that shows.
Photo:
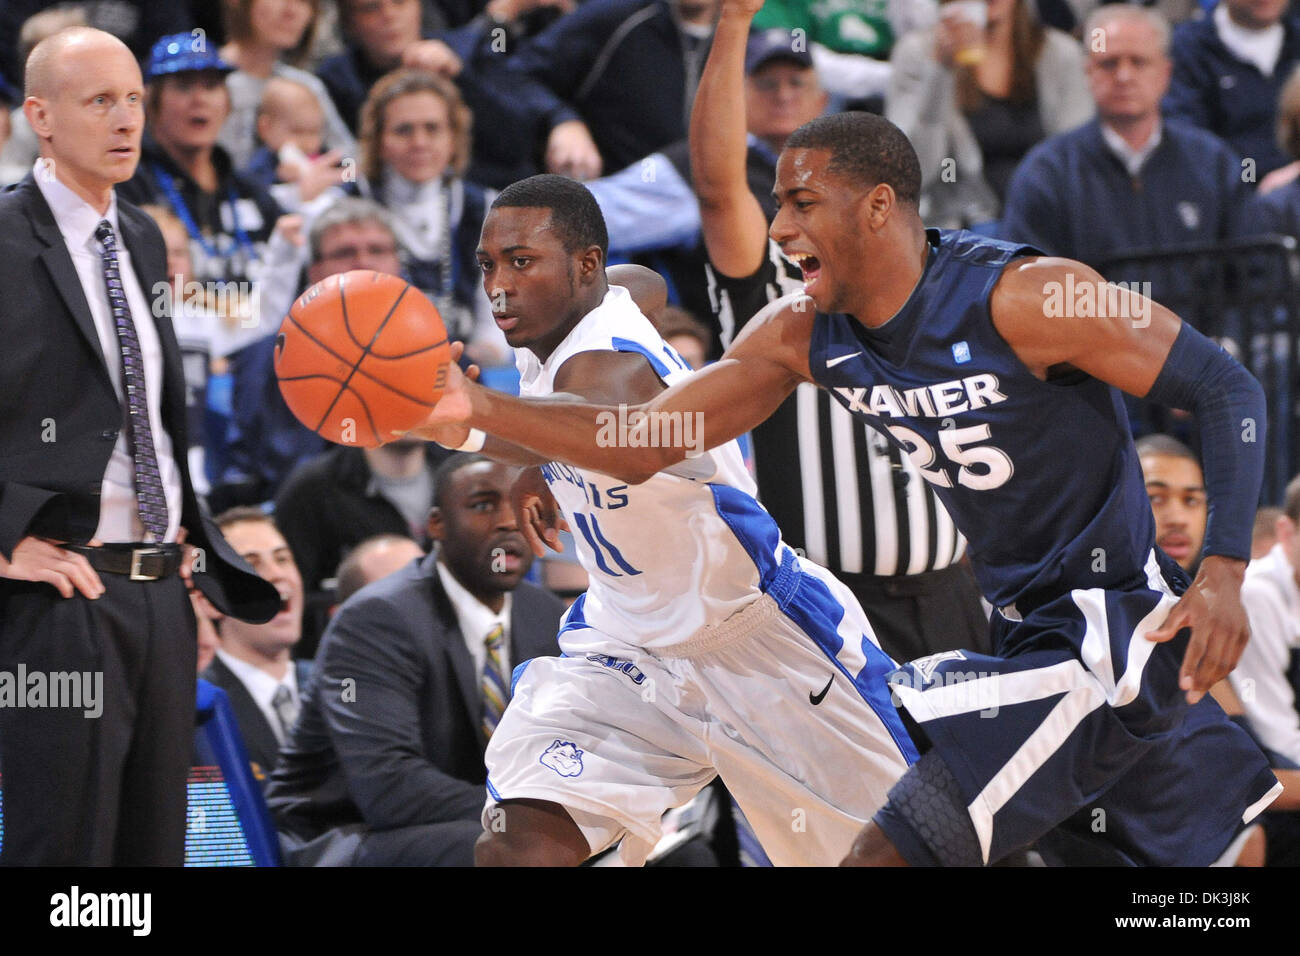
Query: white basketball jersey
(661,560)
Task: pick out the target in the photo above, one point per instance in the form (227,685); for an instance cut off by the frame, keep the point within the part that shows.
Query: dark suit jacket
(54,373)
(259,739)
(389,733)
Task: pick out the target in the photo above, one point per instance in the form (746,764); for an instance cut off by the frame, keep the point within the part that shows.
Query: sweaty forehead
(802,169)
(482,477)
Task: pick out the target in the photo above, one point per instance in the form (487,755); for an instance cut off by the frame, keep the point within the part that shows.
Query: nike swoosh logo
(815,700)
(831,363)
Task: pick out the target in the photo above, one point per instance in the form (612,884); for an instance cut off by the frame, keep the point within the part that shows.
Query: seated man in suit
(253,662)
(385,765)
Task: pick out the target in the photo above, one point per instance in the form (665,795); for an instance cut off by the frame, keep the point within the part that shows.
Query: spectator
(228,217)
(261,35)
(253,663)
(1277,210)
(333,502)
(849,40)
(265,439)
(415,143)
(385,765)
(1264,535)
(651,206)
(372,559)
(1228,70)
(1129,179)
(1268,677)
(628,68)
(23,146)
(384,35)
(688,336)
(1176,488)
(974,98)
(290,162)
(10,99)
(208,328)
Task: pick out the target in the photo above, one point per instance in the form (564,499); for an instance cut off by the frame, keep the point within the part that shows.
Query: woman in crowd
(266,39)
(974,94)
(415,144)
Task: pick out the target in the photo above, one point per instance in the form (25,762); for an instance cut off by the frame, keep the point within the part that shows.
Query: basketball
(361,355)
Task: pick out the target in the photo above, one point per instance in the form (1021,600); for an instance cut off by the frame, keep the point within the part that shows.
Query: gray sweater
(922,102)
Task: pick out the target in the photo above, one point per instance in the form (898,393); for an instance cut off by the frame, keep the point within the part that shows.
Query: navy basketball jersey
(1041,477)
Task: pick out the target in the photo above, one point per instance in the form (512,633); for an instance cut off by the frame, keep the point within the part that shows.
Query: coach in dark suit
(385,764)
(92,439)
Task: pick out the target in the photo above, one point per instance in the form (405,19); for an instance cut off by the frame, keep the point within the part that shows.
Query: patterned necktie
(285,710)
(150,500)
(496,689)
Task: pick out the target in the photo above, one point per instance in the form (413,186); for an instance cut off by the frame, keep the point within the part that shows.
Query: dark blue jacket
(1278,212)
(1213,89)
(1071,196)
(623,65)
(512,116)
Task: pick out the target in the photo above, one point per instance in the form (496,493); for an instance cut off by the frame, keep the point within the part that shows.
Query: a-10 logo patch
(618,664)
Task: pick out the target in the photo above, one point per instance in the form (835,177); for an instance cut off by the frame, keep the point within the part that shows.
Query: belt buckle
(137,556)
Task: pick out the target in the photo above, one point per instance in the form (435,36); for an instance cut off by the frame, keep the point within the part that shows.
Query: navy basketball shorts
(1077,735)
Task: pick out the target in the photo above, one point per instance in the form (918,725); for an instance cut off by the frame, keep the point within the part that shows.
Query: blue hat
(776,44)
(181,53)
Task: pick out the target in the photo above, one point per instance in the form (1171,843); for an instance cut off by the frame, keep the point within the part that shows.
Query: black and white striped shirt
(839,490)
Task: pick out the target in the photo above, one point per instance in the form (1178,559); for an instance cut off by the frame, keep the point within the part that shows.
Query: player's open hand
(1212,609)
(448,422)
(36,559)
(536,513)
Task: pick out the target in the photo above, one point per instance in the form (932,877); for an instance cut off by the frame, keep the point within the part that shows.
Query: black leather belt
(139,562)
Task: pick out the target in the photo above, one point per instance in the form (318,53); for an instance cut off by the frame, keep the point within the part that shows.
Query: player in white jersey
(704,646)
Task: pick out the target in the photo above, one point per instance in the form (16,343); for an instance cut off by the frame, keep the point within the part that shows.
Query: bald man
(97,634)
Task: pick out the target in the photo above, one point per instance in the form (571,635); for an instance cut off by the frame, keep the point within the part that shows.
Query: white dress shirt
(476,621)
(1133,159)
(1259,47)
(119,516)
(261,686)
(1272,601)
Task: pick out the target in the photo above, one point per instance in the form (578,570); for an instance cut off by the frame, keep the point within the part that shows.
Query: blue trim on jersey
(517,673)
(493,791)
(573,619)
(627,345)
(808,602)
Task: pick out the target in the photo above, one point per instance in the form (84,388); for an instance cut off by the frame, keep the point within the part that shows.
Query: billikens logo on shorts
(563,757)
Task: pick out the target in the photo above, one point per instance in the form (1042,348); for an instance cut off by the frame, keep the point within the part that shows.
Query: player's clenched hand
(35,559)
(1212,609)
(536,513)
(446,423)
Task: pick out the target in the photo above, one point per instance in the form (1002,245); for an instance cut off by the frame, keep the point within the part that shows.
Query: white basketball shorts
(786,700)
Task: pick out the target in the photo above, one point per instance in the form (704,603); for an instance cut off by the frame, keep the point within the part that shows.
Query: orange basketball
(361,355)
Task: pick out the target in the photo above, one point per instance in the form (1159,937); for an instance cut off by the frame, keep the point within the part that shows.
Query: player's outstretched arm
(1130,342)
(730,397)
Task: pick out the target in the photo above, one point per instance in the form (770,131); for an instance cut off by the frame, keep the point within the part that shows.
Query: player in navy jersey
(998,371)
